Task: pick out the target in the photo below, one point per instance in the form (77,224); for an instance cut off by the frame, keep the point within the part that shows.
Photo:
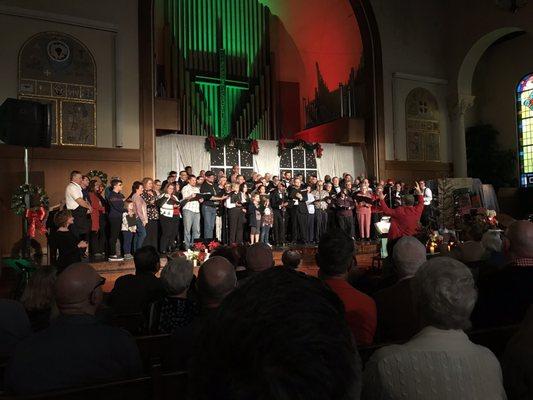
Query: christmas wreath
(213,143)
(37,195)
(316,147)
(94,173)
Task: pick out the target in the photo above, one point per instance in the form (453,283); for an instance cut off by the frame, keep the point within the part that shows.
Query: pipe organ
(218,67)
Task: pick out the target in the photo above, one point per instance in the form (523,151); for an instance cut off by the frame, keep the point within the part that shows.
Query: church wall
(494,86)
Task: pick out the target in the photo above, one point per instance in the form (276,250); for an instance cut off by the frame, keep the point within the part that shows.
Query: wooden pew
(152,349)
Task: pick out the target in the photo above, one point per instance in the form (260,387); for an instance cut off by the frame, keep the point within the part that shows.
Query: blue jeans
(191,221)
(210,215)
(128,237)
(265,231)
(139,236)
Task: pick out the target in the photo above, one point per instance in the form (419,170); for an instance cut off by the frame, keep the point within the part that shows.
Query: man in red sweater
(404,219)
(335,258)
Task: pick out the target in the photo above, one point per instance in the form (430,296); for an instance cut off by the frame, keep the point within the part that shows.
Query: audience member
(38,297)
(335,258)
(258,258)
(216,279)
(76,349)
(398,319)
(175,309)
(132,294)
(517,362)
(440,362)
(506,293)
(14,325)
(291,259)
(282,335)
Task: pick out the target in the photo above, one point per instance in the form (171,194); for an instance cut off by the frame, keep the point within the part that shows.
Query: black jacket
(294,202)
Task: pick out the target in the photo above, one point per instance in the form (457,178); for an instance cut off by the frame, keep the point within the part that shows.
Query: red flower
(201,257)
(212,142)
(213,245)
(199,246)
(319,150)
(254,147)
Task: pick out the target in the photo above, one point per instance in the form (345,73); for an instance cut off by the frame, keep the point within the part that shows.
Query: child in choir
(267,220)
(254,218)
(129,228)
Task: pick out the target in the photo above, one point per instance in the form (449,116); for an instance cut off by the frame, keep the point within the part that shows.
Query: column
(457,110)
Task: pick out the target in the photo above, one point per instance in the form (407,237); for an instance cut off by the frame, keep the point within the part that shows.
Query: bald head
(520,235)
(291,258)
(75,290)
(408,255)
(216,279)
(259,257)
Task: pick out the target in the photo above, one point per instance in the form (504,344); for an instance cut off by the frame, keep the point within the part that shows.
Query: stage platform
(111,270)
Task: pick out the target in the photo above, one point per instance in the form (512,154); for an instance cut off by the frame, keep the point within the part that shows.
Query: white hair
(492,241)
(408,255)
(177,275)
(445,293)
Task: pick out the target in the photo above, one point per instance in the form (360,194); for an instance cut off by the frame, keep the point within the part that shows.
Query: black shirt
(208,188)
(69,252)
(75,350)
(134,293)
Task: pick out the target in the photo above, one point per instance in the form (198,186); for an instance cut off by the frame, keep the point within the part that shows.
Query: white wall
(109,30)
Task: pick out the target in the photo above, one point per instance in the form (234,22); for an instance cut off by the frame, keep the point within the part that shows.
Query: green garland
(316,147)
(250,145)
(94,173)
(38,197)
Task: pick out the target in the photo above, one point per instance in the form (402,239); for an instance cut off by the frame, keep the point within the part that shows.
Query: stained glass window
(524,108)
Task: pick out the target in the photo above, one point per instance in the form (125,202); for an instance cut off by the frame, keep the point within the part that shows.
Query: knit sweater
(435,364)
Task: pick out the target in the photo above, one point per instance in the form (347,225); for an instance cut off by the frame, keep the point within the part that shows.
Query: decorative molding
(58,18)
(72,153)
(419,78)
(458,106)
(434,166)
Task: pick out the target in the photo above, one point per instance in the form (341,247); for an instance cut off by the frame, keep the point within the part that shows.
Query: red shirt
(360,310)
(404,219)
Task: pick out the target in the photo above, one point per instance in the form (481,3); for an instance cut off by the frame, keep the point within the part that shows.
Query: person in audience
(152,213)
(14,325)
(139,207)
(493,245)
(128,228)
(68,244)
(404,219)
(471,250)
(226,252)
(291,259)
(116,211)
(216,279)
(191,212)
(517,362)
(79,207)
(259,257)
(97,236)
(398,317)
(307,353)
(132,294)
(175,309)
(335,259)
(440,362)
(38,297)
(76,350)
(506,293)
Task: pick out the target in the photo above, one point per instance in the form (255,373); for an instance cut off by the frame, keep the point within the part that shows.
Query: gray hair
(445,293)
(408,255)
(492,241)
(177,275)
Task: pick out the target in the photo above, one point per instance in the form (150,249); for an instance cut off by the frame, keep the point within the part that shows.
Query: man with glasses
(76,349)
(116,209)
(171,178)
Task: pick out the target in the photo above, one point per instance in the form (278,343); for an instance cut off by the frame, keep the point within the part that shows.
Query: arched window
(298,161)
(422,126)
(524,109)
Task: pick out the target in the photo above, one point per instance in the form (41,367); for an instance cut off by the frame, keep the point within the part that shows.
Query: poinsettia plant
(213,245)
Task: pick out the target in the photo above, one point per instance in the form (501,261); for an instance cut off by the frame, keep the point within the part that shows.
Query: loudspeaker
(25,123)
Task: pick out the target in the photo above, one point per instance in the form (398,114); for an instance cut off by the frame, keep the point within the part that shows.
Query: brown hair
(39,292)
(62,217)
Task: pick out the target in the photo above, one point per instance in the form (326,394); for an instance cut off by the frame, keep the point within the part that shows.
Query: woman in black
(169,217)
(68,245)
(152,227)
(236,213)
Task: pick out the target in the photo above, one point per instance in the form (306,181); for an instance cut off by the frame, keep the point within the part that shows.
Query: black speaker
(25,123)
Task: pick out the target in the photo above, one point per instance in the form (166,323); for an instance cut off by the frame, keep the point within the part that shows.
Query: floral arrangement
(102,176)
(197,257)
(213,245)
(316,147)
(213,143)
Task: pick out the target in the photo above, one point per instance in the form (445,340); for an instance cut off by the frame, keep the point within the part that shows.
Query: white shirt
(428,196)
(435,364)
(310,203)
(188,191)
(73,192)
